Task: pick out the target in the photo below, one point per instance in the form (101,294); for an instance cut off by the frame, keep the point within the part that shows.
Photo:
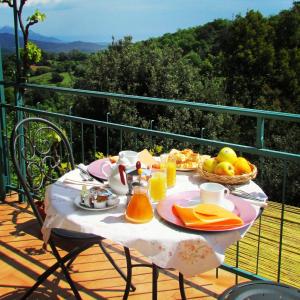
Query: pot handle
(122,174)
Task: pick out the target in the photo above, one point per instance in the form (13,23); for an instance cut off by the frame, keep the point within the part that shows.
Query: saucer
(107,206)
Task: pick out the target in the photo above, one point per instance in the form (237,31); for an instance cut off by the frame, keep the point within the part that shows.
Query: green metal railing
(259,149)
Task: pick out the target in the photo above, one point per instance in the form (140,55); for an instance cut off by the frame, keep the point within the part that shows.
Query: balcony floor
(22,260)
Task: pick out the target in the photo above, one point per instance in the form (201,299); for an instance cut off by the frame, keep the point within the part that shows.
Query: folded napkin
(74,177)
(83,182)
(207,216)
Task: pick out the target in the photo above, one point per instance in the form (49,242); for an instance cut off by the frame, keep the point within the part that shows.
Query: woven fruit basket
(225,179)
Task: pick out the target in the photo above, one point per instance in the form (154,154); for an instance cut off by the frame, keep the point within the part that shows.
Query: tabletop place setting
(146,183)
(179,208)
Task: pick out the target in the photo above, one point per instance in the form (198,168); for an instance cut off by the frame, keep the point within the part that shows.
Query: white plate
(77,202)
(186,169)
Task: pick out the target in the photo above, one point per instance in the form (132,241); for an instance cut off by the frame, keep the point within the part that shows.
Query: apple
(227,154)
(224,168)
(210,164)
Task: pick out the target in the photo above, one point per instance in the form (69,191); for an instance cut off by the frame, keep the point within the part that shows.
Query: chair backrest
(41,154)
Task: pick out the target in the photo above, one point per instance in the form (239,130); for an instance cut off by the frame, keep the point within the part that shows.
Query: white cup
(213,193)
(130,156)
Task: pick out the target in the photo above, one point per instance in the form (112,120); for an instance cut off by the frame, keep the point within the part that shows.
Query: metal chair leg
(70,281)
(129,274)
(132,287)
(155,273)
(181,286)
(68,265)
(59,263)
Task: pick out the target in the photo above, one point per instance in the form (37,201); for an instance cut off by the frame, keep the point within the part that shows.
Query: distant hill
(48,44)
(33,35)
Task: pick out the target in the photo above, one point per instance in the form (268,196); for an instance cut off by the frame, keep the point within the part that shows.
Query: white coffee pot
(117,175)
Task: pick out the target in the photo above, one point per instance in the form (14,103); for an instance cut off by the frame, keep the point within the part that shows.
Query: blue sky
(99,20)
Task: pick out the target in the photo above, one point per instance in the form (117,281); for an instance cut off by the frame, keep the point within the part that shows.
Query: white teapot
(117,176)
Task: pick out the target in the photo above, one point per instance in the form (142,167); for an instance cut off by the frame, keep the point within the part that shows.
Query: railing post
(260,143)
(3,150)
(151,128)
(70,128)
(202,135)
(107,135)
(260,132)
(18,92)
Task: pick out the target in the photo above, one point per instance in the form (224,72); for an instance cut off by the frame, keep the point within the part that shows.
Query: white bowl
(112,200)
(101,204)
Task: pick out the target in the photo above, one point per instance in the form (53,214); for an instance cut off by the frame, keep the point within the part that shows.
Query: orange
(242,166)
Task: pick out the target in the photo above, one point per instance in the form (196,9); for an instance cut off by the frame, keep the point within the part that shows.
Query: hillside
(7,44)
(33,35)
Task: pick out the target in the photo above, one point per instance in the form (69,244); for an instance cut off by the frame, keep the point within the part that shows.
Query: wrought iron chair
(41,153)
(259,289)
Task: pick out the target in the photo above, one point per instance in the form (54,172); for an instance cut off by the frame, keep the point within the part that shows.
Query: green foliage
(56,77)
(251,61)
(99,155)
(37,16)
(248,57)
(156,150)
(34,53)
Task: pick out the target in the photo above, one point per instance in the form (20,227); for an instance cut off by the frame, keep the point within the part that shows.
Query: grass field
(267,247)
(46,79)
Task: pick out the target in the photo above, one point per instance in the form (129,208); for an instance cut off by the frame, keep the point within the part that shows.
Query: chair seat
(260,290)
(74,235)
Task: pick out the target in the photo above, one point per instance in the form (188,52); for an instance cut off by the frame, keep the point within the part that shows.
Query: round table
(166,246)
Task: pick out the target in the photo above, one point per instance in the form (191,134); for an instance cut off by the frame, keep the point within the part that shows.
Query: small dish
(100,204)
(78,203)
(112,200)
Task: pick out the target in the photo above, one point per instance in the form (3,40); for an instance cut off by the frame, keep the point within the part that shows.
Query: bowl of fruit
(227,168)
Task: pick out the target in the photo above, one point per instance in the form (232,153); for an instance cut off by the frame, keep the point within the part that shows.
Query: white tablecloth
(165,246)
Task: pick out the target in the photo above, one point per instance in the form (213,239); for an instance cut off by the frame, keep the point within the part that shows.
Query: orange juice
(158,186)
(163,161)
(171,173)
(139,209)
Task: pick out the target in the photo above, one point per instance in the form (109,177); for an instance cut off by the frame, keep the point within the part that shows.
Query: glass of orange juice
(163,161)
(158,186)
(171,172)
(168,165)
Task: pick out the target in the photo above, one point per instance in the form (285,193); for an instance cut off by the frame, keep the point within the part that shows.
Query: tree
(31,53)
(56,77)
(248,57)
(286,82)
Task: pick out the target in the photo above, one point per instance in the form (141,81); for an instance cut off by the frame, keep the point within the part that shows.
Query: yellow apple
(227,154)
(210,164)
(224,168)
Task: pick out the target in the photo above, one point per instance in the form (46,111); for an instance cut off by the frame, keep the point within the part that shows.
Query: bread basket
(225,179)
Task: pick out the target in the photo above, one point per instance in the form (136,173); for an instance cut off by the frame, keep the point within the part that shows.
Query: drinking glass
(171,172)
(158,186)
(168,165)
(163,161)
